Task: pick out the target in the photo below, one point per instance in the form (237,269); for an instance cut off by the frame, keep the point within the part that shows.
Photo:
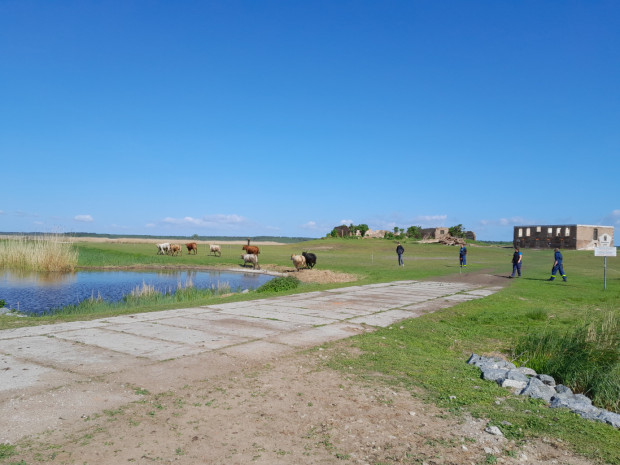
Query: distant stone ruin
(379,233)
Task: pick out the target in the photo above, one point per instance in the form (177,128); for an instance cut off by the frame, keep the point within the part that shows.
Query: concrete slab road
(54,373)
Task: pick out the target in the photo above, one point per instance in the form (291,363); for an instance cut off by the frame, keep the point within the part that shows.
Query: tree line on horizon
(412,232)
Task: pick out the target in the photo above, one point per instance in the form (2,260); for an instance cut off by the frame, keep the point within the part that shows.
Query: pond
(36,293)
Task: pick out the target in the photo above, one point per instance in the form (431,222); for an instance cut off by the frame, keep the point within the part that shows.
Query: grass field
(429,352)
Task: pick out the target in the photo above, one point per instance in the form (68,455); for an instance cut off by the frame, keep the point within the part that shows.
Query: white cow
(215,250)
(250,258)
(299,261)
(163,249)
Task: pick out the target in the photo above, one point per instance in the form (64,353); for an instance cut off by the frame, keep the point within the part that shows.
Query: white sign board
(604,251)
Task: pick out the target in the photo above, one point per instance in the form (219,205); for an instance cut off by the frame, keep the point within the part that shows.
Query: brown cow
(251,249)
(175,249)
(192,246)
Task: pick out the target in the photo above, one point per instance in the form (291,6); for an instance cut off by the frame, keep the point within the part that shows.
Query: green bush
(280,284)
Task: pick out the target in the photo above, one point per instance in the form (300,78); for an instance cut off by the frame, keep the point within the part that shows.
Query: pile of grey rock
(527,382)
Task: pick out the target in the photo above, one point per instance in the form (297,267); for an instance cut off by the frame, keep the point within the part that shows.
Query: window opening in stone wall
(558,231)
(520,232)
(549,231)
(595,235)
(527,232)
(537,228)
(567,232)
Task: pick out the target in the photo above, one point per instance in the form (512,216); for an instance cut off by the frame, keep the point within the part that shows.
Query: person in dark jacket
(463,256)
(517,259)
(400,251)
(557,265)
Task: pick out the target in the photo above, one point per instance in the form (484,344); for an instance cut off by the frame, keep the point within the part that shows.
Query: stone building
(379,233)
(434,233)
(566,236)
(343,231)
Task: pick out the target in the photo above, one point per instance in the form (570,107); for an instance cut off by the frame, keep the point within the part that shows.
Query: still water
(40,292)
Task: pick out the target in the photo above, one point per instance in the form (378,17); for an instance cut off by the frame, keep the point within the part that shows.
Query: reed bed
(51,252)
(586,359)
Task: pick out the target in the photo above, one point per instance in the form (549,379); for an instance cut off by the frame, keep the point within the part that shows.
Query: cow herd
(250,255)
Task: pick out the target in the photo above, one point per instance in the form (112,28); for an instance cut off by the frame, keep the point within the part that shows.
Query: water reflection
(40,292)
(28,278)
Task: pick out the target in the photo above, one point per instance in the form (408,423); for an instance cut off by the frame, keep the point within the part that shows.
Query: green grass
(427,355)
(586,358)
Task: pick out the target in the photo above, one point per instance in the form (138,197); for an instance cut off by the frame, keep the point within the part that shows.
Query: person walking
(557,265)
(400,251)
(517,259)
(463,256)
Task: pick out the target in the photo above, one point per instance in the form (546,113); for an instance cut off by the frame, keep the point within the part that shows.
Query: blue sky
(288,118)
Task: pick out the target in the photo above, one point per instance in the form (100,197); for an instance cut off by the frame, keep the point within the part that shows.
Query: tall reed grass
(50,252)
(586,359)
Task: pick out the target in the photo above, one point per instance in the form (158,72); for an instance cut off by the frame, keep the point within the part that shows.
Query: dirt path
(289,409)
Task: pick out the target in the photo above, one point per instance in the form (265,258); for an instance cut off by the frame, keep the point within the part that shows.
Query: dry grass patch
(50,252)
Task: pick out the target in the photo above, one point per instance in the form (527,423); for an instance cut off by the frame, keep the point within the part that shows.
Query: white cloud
(515,220)
(207,221)
(22,214)
(425,221)
(428,218)
(311,225)
(613,218)
(83,218)
(346,222)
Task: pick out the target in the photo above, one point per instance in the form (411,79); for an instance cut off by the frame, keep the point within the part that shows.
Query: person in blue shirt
(517,259)
(463,256)
(557,265)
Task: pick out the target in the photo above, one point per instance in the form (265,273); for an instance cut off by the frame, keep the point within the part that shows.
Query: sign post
(605,251)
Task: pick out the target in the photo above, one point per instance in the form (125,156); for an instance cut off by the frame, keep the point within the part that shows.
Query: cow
(163,249)
(310,259)
(192,246)
(250,258)
(175,249)
(299,261)
(215,250)
(251,249)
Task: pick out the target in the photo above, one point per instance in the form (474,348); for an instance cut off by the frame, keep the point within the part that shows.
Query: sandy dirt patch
(288,410)
(312,275)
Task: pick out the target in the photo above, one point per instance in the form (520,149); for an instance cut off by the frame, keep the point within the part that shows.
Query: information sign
(605,251)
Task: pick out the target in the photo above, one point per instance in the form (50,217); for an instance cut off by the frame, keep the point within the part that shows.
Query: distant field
(134,239)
